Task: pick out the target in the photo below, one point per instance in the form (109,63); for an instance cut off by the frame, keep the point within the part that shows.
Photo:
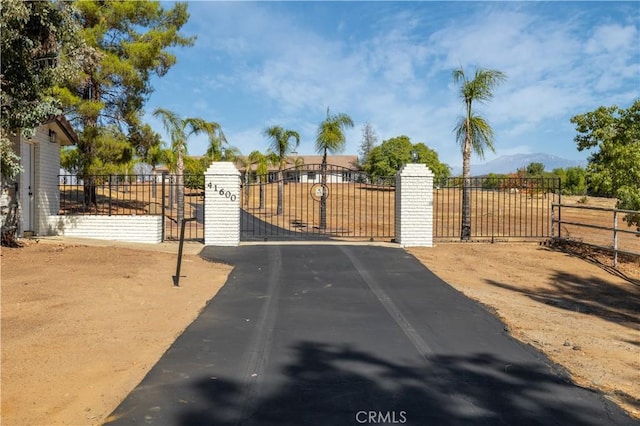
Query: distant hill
(511,163)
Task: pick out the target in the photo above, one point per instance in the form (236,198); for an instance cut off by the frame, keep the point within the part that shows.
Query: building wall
(47,193)
(317,177)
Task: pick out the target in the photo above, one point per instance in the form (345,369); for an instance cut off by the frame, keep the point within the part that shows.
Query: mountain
(511,163)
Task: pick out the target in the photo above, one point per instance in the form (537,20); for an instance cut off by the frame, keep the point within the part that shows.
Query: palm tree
(179,130)
(216,140)
(280,147)
(262,168)
(473,133)
(330,138)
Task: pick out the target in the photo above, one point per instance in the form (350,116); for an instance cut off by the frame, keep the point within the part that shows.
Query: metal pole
(559,208)
(164,178)
(176,277)
(109,177)
(553,219)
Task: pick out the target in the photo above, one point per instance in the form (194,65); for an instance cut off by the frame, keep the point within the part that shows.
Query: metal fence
(139,194)
(501,208)
(598,227)
(349,205)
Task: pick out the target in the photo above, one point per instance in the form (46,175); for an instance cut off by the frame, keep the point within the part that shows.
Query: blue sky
(256,64)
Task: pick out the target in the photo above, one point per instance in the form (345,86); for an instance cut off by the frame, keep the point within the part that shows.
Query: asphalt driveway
(347,335)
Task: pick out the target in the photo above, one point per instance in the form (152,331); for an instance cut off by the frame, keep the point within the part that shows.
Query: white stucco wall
(414,206)
(222,205)
(47,193)
(136,229)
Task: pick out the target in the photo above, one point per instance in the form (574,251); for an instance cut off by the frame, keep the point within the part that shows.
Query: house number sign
(222,192)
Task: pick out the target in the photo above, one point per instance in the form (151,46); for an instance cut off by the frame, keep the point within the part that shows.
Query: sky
(389,64)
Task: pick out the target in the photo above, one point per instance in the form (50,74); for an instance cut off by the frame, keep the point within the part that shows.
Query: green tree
(387,158)
(216,150)
(262,169)
(575,181)
(614,167)
(179,131)
(369,141)
(244,163)
(40,47)
(493,181)
(330,138)
(281,146)
(535,169)
(131,42)
(147,145)
(429,157)
(473,133)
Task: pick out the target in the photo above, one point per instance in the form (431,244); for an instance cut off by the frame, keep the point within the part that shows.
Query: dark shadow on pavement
(325,385)
(252,228)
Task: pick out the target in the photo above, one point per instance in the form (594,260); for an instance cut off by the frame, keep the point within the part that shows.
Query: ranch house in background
(37,189)
(299,168)
(307,169)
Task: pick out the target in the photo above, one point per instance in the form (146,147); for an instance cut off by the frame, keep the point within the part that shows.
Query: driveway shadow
(255,229)
(336,385)
(586,253)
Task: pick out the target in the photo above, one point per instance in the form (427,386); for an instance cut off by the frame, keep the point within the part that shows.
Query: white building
(37,189)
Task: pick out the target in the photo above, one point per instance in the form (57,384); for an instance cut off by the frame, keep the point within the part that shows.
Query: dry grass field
(368,211)
(354,210)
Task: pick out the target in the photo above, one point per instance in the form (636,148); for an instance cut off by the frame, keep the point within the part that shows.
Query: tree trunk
(323,198)
(261,184)
(92,93)
(89,189)
(280,192)
(154,183)
(246,188)
(10,222)
(465,233)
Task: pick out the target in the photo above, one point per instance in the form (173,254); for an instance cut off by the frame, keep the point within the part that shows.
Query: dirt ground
(573,307)
(82,324)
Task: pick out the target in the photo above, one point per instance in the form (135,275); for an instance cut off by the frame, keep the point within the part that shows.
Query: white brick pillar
(414,206)
(222,205)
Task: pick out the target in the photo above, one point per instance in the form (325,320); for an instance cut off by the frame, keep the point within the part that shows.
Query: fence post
(222,204)
(414,206)
(559,206)
(163,193)
(110,198)
(553,220)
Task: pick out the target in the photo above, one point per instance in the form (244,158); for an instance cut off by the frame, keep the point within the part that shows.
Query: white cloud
(398,77)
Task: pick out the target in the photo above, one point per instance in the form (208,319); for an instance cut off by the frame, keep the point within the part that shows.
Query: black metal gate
(310,202)
(501,208)
(152,194)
